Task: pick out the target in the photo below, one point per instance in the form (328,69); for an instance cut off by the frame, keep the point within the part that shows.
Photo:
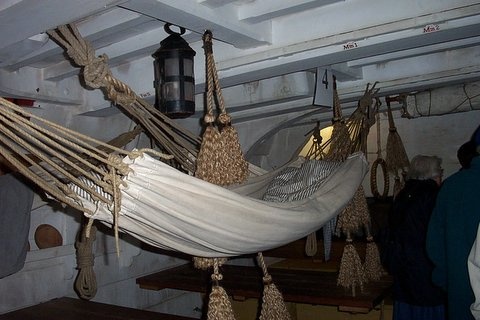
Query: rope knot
(224,118)
(209,118)
(217,276)
(84,261)
(267,279)
(118,164)
(95,71)
(207,42)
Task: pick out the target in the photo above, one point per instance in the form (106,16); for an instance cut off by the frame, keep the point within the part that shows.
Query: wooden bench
(299,286)
(76,309)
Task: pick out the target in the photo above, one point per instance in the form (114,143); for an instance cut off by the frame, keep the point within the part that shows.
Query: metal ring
(167,29)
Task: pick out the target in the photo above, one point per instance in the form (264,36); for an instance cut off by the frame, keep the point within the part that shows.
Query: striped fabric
(85,194)
(297,183)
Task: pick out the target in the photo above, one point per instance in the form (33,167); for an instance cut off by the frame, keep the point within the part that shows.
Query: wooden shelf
(76,309)
(300,286)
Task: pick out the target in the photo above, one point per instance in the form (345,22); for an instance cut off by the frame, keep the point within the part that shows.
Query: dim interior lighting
(174,75)
(314,142)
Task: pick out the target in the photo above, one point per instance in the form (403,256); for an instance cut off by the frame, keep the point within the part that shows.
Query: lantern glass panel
(188,67)
(189,91)
(172,67)
(171,91)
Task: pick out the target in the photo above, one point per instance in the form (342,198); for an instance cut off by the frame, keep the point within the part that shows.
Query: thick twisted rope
(273,305)
(177,141)
(379,162)
(86,282)
(220,160)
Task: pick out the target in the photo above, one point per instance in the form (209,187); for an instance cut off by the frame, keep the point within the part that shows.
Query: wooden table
(300,286)
(76,309)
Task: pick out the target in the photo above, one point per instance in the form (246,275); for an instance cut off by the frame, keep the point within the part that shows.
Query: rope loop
(207,41)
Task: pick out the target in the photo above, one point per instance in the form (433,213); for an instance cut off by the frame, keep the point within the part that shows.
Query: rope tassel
(273,306)
(352,273)
(219,305)
(220,160)
(373,266)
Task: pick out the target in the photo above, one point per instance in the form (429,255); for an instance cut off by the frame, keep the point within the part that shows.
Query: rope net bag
(220,160)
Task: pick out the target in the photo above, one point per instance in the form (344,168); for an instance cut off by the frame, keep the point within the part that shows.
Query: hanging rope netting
(349,135)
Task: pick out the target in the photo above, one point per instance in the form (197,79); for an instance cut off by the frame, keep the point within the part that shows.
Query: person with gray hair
(451,234)
(414,294)
(425,167)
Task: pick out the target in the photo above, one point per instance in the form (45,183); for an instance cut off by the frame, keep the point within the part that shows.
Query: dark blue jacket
(451,233)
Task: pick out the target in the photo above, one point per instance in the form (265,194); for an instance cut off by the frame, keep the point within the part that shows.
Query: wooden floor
(76,309)
(300,286)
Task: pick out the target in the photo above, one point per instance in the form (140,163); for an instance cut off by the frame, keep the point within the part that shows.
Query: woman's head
(425,167)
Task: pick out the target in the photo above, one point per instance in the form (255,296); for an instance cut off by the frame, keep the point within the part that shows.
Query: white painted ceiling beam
(39,16)
(391,31)
(118,52)
(111,24)
(258,11)
(305,56)
(215,3)
(22,84)
(223,23)
(439,47)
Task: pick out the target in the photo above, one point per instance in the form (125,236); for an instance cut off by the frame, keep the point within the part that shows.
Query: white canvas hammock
(159,204)
(172,210)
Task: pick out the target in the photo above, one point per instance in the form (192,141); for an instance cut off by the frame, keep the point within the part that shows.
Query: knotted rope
(219,305)
(220,159)
(169,136)
(396,158)
(273,305)
(352,272)
(86,282)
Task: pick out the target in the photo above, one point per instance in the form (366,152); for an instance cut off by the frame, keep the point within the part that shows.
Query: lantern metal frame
(174,81)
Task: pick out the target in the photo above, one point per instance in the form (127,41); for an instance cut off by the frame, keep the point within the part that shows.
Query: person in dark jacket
(414,294)
(451,234)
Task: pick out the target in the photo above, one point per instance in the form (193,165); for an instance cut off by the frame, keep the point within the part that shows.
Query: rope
(86,283)
(379,162)
(273,305)
(351,273)
(61,161)
(177,141)
(396,158)
(220,160)
(219,305)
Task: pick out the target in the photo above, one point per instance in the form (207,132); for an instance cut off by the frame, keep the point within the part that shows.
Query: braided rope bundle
(396,157)
(220,159)
(86,282)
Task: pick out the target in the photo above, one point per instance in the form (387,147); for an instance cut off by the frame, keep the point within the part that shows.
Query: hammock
(159,204)
(171,210)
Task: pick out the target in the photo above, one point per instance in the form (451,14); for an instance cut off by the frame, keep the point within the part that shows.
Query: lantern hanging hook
(168,30)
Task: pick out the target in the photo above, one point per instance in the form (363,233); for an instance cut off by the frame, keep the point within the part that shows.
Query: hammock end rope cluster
(349,136)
